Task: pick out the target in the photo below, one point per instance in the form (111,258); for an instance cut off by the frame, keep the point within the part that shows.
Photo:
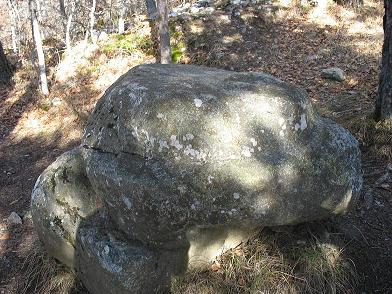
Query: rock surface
(62,198)
(14,219)
(106,262)
(184,162)
(212,147)
(333,73)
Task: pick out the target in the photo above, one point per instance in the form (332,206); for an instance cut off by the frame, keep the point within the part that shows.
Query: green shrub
(128,43)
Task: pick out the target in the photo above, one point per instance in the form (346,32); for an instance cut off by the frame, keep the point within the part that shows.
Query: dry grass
(270,263)
(376,137)
(324,269)
(43,275)
(264,265)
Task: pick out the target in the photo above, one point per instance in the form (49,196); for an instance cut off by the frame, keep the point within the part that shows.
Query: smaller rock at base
(333,73)
(56,101)
(14,219)
(27,215)
(312,57)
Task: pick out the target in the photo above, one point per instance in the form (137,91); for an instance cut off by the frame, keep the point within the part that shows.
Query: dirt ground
(294,47)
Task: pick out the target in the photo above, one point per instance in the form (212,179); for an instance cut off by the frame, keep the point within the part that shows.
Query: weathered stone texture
(186,162)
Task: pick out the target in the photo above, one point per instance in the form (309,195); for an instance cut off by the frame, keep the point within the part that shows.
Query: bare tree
(68,27)
(121,14)
(164,36)
(159,24)
(38,46)
(152,14)
(14,17)
(92,20)
(152,10)
(384,98)
(38,10)
(62,8)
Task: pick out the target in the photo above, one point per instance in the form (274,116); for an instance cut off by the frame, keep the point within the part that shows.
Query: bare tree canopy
(38,46)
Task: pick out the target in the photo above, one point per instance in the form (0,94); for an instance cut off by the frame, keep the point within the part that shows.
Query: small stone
(333,73)
(209,10)
(324,51)
(56,101)
(195,10)
(312,57)
(14,219)
(27,215)
(219,55)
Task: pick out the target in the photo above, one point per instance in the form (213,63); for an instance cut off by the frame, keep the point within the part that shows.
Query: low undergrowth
(128,43)
(376,137)
(299,261)
(43,275)
(275,263)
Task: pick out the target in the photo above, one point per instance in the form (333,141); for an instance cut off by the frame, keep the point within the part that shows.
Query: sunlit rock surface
(62,198)
(185,162)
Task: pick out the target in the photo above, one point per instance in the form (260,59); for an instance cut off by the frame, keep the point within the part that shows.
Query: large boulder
(186,162)
(62,199)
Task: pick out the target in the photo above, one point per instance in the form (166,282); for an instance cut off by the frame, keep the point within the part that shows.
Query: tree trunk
(68,27)
(384,98)
(152,10)
(64,20)
(62,8)
(14,37)
(92,21)
(121,28)
(38,10)
(38,47)
(5,71)
(13,13)
(152,14)
(121,13)
(164,36)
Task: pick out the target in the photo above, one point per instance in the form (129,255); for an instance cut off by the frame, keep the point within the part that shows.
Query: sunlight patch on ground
(363,28)
(321,16)
(37,123)
(362,47)
(111,71)
(195,29)
(77,57)
(233,38)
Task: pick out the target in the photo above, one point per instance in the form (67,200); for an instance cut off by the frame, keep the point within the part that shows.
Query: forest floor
(293,44)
